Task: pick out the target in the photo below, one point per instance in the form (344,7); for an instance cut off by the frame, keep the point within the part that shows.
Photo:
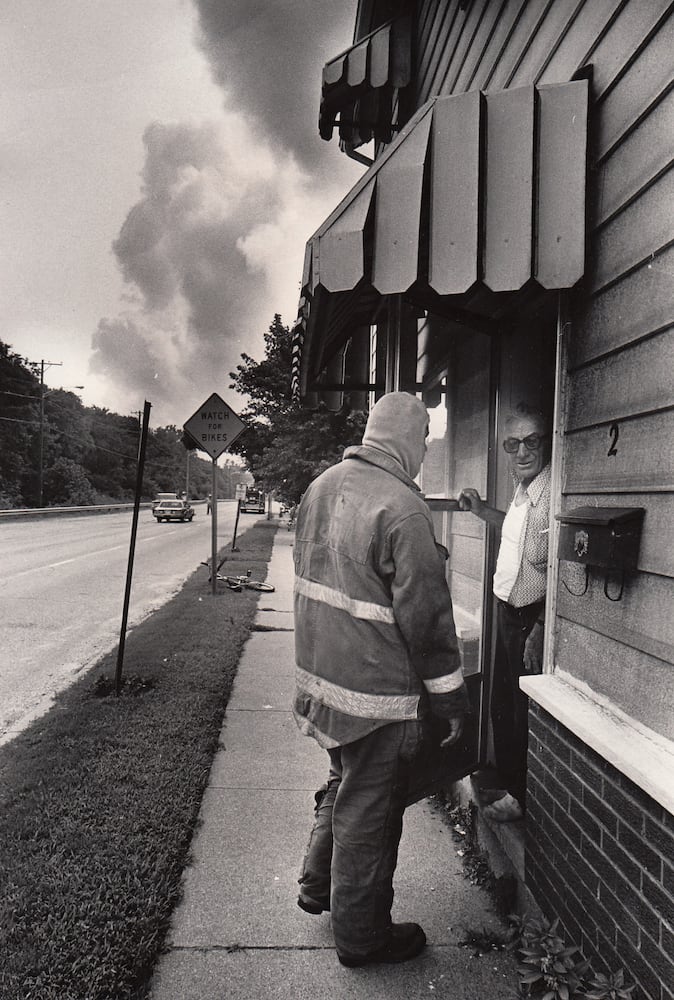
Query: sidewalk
(238,933)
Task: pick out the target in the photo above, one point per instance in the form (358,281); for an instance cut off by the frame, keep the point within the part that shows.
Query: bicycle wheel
(258,585)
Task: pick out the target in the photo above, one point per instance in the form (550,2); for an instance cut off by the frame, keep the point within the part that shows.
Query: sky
(160,173)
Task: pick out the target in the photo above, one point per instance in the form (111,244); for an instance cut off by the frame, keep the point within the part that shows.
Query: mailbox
(605,537)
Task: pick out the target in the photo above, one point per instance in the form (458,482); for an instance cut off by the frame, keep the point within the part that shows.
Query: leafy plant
(546,963)
(611,987)
(552,970)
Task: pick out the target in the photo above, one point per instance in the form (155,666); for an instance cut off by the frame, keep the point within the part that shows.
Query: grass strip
(99,798)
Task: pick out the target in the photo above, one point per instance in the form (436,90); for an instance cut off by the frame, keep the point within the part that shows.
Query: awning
(359,85)
(479,197)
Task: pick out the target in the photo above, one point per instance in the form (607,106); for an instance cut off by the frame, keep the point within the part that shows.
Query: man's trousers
(509,706)
(353,848)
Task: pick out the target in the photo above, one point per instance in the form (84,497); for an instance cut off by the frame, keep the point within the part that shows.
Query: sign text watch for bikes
(214,426)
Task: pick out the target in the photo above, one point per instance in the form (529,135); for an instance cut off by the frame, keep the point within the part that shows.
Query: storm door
(461,401)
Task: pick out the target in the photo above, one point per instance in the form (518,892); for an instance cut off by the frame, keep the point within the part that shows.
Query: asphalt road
(62,582)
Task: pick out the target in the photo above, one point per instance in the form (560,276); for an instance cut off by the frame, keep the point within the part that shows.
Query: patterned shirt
(531,581)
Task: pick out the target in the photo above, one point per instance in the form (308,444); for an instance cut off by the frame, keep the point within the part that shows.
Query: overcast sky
(160,172)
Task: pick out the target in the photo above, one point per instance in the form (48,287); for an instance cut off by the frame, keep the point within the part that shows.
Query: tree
(286,446)
(66,484)
(19,423)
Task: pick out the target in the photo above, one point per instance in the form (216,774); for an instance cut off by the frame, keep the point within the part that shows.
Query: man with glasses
(519,586)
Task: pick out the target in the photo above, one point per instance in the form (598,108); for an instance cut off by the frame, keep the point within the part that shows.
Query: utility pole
(48,364)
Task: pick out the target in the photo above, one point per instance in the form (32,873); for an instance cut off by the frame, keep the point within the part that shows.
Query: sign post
(239,495)
(214,427)
(140,466)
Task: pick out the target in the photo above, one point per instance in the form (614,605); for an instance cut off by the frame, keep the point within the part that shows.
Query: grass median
(100,797)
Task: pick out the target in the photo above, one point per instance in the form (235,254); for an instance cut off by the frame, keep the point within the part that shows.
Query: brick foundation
(600,855)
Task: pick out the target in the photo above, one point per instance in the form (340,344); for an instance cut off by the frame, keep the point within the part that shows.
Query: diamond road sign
(214,426)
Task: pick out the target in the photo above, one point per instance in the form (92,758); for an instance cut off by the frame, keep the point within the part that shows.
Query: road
(62,582)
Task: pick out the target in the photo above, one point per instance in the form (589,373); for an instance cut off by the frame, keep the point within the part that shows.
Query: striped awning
(359,85)
(480,196)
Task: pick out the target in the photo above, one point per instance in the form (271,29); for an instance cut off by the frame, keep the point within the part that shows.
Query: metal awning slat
(455,173)
(509,189)
(342,247)
(560,202)
(379,57)
(395,264)
(357,64)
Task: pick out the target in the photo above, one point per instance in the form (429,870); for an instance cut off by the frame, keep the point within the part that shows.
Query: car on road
(173,510)
(253,502)
(162,496)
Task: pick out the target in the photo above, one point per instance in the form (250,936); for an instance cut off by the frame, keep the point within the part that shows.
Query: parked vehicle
(174,510)
(253,503)
(163,496)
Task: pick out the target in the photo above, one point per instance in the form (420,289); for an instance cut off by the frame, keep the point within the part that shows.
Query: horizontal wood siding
(643,458)
(546,42)
(643,157)
(645,599)
(581,37)
(640,304)
(644,82)
(636,380)
(615,49)
(634,235)
(639,684)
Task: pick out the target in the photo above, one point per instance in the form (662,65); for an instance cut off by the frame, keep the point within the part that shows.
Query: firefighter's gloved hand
(452,706)
(455,731)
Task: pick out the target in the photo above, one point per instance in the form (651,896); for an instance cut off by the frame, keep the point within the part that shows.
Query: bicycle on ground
(240,581)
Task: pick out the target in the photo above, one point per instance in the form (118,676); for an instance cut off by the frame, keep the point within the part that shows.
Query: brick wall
(600,855)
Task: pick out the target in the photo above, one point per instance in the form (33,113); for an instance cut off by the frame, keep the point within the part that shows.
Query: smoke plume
(214,245)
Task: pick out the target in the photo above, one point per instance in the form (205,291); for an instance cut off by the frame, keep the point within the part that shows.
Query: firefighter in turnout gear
(376,652)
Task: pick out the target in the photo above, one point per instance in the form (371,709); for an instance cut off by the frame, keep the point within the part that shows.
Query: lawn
(100,797)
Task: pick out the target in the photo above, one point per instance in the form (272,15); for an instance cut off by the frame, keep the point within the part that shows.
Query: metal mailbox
(604,537)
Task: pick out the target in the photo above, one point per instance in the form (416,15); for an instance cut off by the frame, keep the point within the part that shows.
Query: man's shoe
(505,810)
(489,795)
(407,941)
(313,905)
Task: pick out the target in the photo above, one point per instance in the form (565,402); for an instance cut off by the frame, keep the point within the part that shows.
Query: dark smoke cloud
(192,290)
(267,55)
(214,245)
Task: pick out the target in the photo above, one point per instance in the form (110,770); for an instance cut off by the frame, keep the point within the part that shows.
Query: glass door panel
(460,411)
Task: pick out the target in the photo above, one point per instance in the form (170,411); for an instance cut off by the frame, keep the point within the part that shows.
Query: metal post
(41,444)
(236,525)
(40,473)
(214,528)
(132,547)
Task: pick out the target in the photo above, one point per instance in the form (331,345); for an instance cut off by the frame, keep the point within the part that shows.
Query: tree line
(87,454)
(62,453)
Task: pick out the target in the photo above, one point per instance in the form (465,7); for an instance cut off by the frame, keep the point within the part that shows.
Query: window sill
(643,756)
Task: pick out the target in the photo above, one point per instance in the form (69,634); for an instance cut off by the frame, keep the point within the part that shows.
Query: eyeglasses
(531,442)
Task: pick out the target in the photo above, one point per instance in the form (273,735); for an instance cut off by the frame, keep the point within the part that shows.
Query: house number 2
(614,431)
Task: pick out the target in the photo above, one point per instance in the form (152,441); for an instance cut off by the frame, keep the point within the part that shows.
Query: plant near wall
(611,987)
(550,969)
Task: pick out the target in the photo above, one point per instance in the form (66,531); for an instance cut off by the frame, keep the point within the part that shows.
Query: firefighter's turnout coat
(374,628)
